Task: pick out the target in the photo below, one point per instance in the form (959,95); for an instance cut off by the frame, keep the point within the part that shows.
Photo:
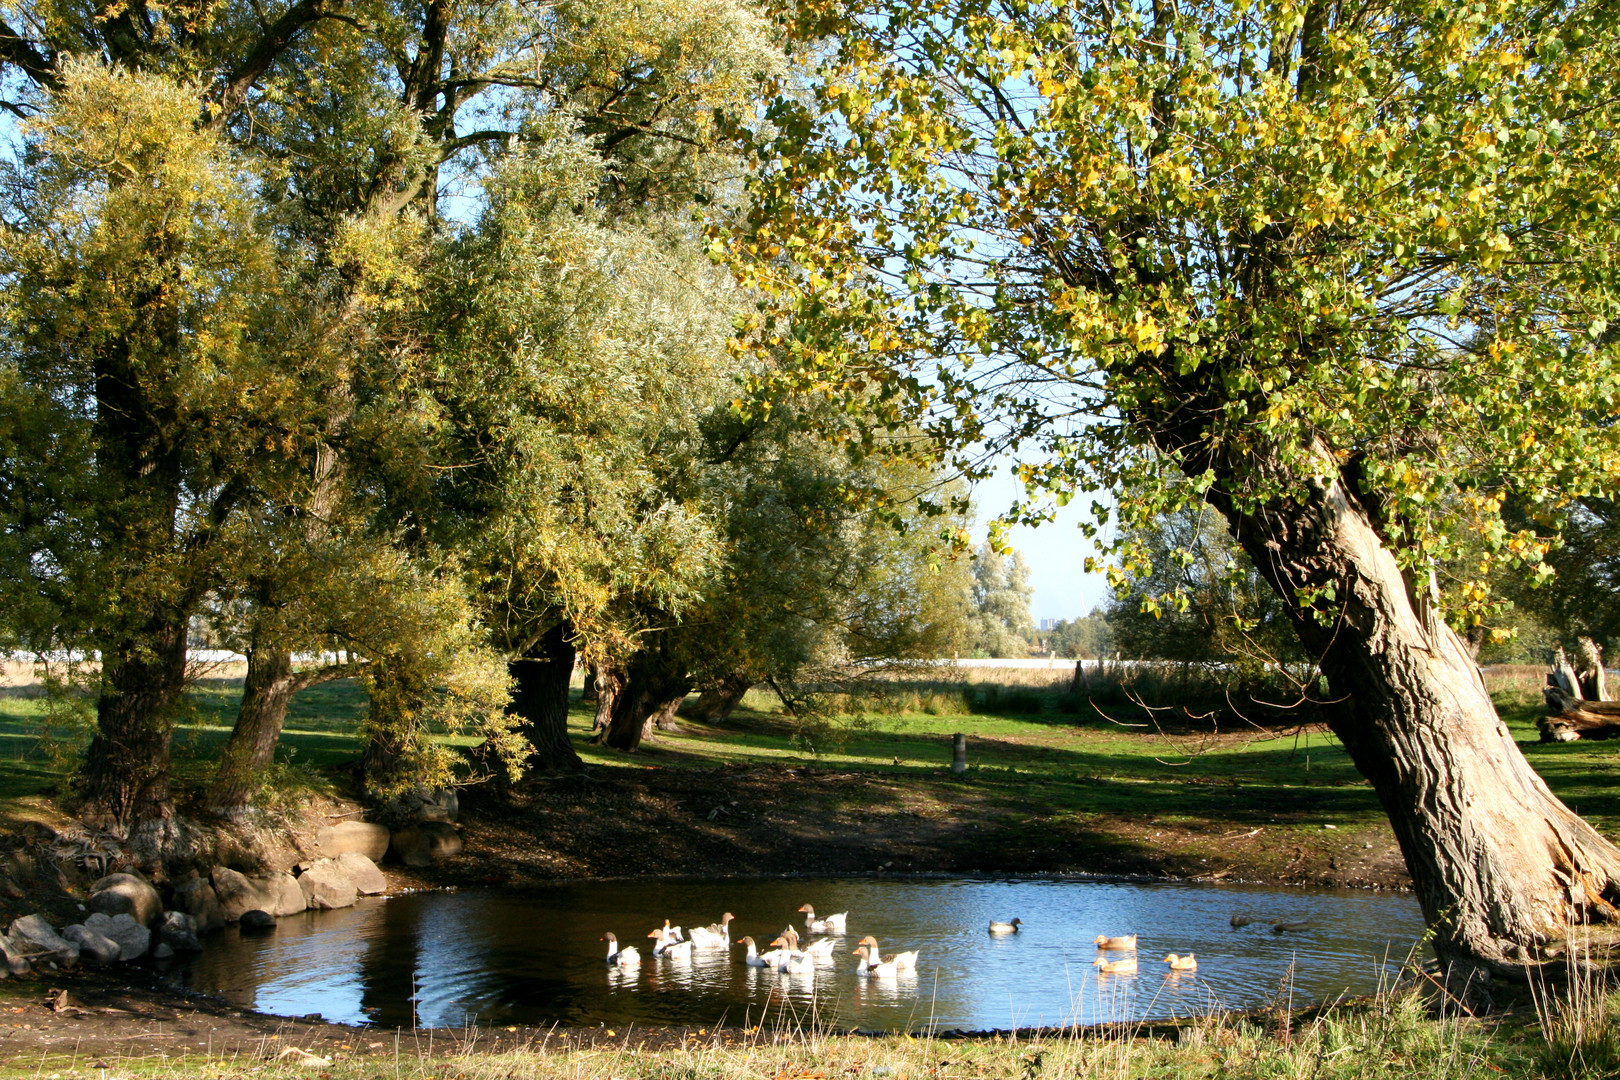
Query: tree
(1086,638)
(1000,603)
(1338,271)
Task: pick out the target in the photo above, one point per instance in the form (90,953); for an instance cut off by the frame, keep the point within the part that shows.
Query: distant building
(1050,624)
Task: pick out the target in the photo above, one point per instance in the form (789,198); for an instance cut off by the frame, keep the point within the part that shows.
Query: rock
(197,898)
(133,938)
(326,885)
(119,894)
(368,880)
(178,931)
(258,920)
(162,952)
(424,804)
(236,893)
(282,894)
(426,842)
(362,837)
(15,962)
(94,947)
(38,942)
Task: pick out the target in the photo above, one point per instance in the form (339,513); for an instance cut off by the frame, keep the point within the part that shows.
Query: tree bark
(608,679)
(1499,864)
(125,776)
(653,679)
(540,680)
(266,693)
(1589,670)
(588,694)
(720,697)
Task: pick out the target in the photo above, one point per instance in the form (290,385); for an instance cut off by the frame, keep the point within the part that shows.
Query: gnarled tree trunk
(1499,864)
(718,698)
(653,680)
(266,693)
(125,775)
(540,680)
(608,680)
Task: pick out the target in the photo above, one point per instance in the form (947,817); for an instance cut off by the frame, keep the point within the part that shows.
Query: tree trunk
(125,776)
(653,679)
(266,693)
(1589,670)
(540,680)
(609,680)
(588,694)
(1498,863)
(720,697)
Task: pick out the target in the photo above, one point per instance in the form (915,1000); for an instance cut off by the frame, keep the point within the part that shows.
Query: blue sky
(1056,551)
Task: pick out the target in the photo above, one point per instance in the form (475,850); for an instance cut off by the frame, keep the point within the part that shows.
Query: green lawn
(1059,762)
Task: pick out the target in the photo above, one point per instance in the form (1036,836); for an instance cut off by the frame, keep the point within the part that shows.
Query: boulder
(120,894)
(257,920)
(368,880)
(39,943)
(197,898)
(94,947)
(236,893)
(326,885)
(281,893)
(178,931)
(162,952)
(133,938)
(361,837)
(426,842)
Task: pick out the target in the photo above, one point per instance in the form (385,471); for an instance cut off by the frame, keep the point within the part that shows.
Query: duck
(871,964)
(1005,927)
(670,944)
(1240,920)
(1285,927)
(906,961)
(755,958)
(617,957)
(790,961)
(1126,966)
(832,924)
(1123,943)
(1182,963)
(715,935)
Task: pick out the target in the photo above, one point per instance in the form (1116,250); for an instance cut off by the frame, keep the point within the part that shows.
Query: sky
(1056,551)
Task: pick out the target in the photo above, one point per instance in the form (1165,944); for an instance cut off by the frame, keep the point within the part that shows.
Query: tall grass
(1577,1019)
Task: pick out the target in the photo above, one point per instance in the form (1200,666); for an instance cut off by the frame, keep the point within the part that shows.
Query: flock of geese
(1116,955)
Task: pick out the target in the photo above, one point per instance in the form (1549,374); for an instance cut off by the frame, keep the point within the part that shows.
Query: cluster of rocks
(127,918)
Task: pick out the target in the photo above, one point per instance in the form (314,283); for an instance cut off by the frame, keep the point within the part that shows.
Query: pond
(498,957)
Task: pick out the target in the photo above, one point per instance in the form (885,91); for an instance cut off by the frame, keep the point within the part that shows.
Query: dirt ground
(751,821)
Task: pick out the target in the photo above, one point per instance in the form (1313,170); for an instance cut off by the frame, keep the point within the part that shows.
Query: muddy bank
(657,820)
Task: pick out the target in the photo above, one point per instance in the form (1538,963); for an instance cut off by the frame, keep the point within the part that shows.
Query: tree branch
(20,53)
(271,45)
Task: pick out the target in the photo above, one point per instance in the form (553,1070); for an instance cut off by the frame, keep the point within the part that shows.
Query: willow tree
(1340,270)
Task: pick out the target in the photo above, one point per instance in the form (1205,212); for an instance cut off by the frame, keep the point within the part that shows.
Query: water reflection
(493,957)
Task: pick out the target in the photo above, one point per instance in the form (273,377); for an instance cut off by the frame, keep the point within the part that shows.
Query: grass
(1059,754)
(1393,1038)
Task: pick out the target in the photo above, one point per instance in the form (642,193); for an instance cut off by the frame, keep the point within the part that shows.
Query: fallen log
(1576,718)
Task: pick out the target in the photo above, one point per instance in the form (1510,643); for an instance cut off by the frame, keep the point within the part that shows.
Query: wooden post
(959,753)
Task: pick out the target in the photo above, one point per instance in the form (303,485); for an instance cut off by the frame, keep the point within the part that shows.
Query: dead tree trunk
(1499,864)
(1589,672)
(718,698)
(540,680)
(266,693)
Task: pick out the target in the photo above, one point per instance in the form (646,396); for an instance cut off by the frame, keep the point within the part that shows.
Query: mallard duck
(1123,943)
(669,943)
(1182,963)
(1005,927)
(1126,966)
(906,961)
(617,957)
(832,924)
(715,935)
(754,957)
(871,964)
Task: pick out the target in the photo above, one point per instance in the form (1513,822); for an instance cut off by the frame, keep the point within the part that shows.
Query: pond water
(497,957)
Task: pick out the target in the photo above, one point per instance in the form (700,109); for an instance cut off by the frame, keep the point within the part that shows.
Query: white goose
(906,961)
(789,960)
(715,935)
(755,958)
(871,964)
(617,957)
(670,944)
(832,924)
